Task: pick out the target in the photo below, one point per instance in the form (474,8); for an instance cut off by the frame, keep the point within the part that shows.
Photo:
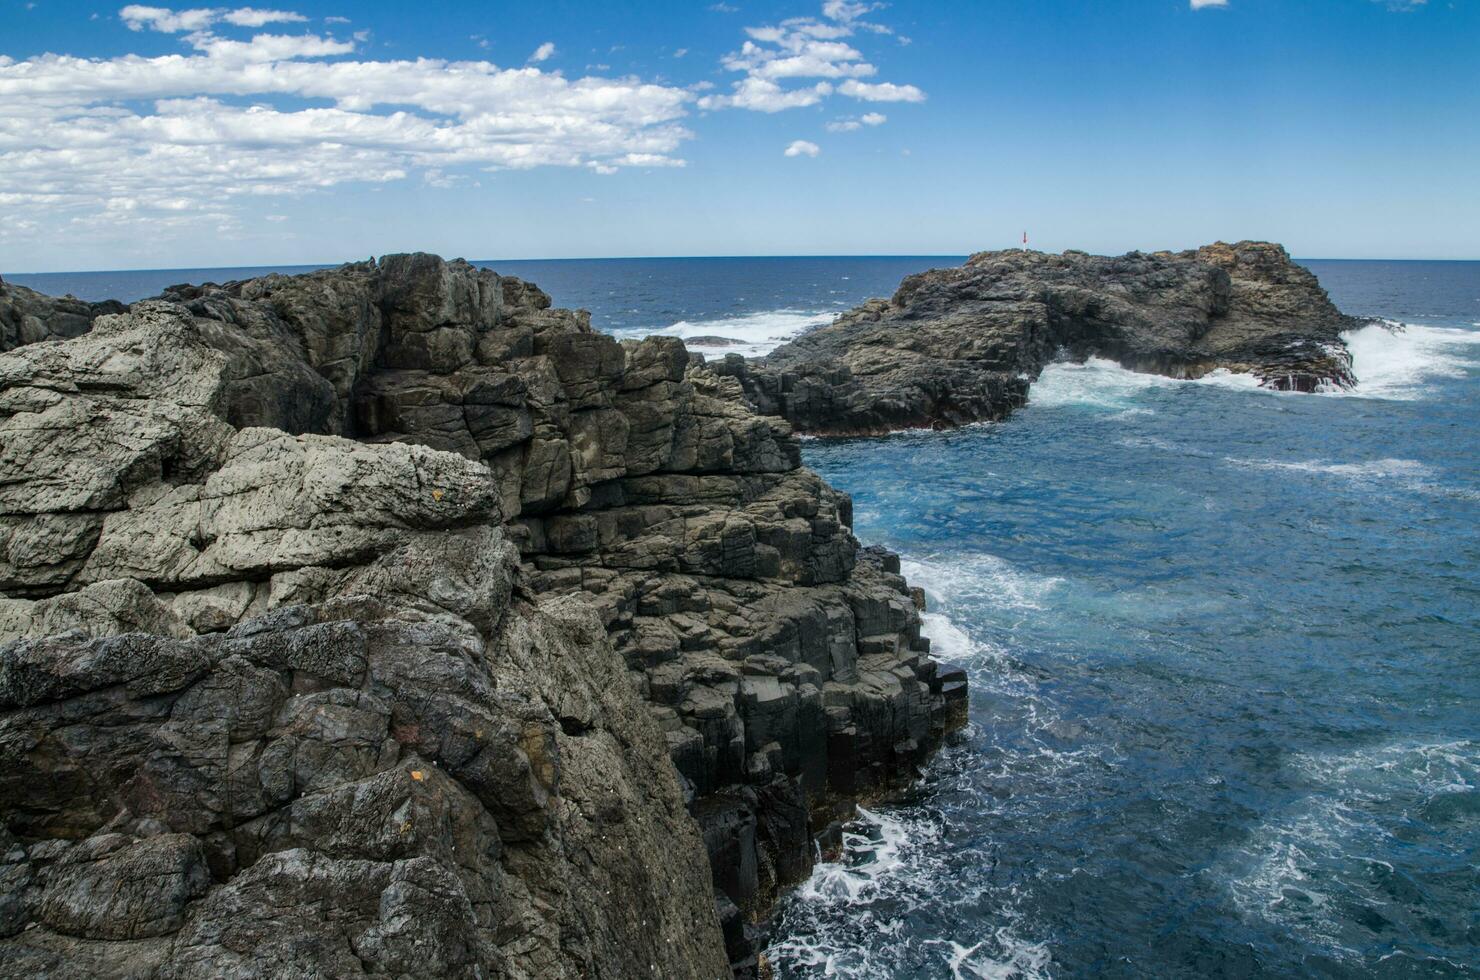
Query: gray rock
(442,631)
(954,346)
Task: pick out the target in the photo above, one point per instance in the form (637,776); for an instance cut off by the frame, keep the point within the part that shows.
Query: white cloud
(542,53)
(763,95)
(1200,4)
(138,17)
(845,11)
(848,124)
(187,139)
(804,48)
(881,92)
(251,17)
(195,139)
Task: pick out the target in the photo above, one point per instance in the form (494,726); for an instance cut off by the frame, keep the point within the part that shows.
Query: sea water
(1224,646)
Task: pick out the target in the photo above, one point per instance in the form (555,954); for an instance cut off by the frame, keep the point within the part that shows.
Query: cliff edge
(386,619)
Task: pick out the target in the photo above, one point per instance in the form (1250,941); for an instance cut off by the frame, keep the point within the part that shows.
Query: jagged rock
(440,630)
(28,317)
(954,346)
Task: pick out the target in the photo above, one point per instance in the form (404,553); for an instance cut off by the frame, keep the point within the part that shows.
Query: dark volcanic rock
(955,346)
(354,619)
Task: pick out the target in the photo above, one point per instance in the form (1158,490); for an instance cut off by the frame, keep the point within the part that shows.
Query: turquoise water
(1224,647)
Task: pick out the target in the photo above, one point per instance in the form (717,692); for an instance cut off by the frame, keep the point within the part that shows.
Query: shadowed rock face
(387,620)
(955,346)
(27,317)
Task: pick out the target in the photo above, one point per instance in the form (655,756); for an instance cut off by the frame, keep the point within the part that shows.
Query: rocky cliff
(955,346)
(386,620)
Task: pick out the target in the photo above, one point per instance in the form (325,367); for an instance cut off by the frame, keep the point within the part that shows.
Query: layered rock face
(956,346)
(354,619)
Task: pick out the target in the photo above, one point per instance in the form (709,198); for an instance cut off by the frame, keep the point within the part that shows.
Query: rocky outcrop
(955,346)
(387,620)
(27,317)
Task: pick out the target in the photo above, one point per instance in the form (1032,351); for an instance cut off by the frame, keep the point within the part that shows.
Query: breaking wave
(957,578)
(753,334)
(1390,360)
(1401,361)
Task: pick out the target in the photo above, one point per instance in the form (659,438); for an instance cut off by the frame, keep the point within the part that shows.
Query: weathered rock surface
(354,619)
(27,317)
(955,346)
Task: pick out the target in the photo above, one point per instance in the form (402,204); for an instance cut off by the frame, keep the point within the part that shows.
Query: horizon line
(646,258)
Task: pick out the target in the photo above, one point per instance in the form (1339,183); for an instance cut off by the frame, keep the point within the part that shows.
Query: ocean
(1224,645)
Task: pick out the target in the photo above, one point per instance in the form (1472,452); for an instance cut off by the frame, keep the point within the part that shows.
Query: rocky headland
(962,345)
(386,620)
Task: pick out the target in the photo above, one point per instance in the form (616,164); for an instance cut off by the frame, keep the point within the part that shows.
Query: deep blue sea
(1224,647)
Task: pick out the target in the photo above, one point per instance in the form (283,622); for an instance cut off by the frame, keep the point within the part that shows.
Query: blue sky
(137,136)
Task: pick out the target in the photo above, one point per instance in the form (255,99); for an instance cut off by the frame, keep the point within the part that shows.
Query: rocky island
(388,620)
(963,345)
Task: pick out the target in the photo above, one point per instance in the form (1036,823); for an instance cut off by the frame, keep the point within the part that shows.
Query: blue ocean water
(1224,647)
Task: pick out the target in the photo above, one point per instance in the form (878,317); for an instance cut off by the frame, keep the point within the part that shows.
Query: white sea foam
(957,578)
(1097,382)
(899,867)
(1307,866)
(1390,360)
(891,866)
(1017,959)
(1102,383)
(1376,469)
(758,333)
(1400,361)
(1375,474)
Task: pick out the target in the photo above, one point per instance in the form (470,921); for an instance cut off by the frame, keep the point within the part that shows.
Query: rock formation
(955,346)
(354,618)
(27,316)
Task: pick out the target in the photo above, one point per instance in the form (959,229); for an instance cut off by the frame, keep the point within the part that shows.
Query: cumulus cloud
(801,49)
(1200,4)
(802,148)
(851,125)
(881,92)
(542,53)
(762,95)
(251,17)
(161,142)
(139,17)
